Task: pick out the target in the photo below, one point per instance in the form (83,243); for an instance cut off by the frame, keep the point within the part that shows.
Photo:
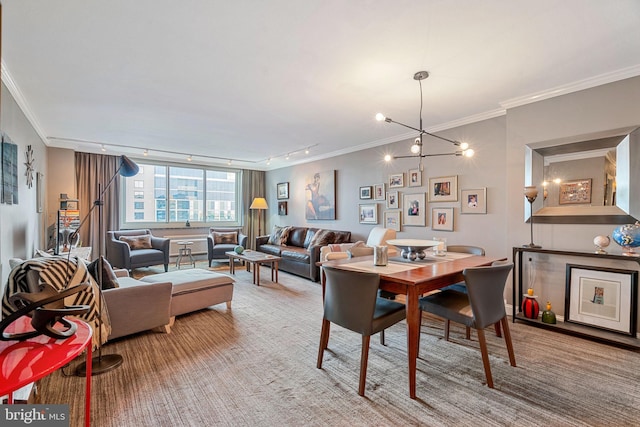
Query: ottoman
(195,289)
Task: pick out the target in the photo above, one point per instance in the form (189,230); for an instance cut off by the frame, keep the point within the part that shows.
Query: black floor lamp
(100,363)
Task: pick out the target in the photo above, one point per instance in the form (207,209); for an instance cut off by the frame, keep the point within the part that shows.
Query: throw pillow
(109,279)
(137,242)
(279,235)
(225,237)
(323,238)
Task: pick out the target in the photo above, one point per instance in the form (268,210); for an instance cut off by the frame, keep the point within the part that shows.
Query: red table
(23,362)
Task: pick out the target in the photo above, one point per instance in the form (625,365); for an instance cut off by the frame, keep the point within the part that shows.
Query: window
(161,194)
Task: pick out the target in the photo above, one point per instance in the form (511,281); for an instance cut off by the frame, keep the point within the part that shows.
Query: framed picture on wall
(282,208)
(365,192)
(575,192)
(368,213)
(443,189)
(378,192)
(474,201)
(396,180)
(392,220)
(415,178)
(442,219)
(414,207)
(283,190)
(392,200)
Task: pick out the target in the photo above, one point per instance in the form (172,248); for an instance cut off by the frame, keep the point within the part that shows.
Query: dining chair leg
(364,359)
(497,328)
(382,337)
(447,323)
(485,356)
(324,341)
(467,332)
(507,340)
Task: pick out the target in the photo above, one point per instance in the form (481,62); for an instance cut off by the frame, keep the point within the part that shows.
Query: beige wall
(498,165)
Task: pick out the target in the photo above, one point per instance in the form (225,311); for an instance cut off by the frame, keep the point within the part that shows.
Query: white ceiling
(248,80)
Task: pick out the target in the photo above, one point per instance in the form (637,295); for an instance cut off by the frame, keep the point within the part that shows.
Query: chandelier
(462,148)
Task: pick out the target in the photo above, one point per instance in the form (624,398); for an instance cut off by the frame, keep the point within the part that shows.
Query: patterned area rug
(255,365)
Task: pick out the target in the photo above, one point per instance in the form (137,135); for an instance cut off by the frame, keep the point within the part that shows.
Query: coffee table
(254,258)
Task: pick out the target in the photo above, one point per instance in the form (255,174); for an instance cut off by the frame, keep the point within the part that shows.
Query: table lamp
(531,193)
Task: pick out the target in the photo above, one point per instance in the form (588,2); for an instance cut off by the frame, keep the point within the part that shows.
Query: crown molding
(587,83)
(15,91)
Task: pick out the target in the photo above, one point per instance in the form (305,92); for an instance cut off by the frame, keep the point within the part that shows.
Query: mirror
(588,179)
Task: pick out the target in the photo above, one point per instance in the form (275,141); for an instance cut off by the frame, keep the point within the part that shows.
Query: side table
(185,251)
(24,362)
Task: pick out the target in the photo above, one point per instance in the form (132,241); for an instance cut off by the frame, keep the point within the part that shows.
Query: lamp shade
(259,203)
(531,192)
(128,167)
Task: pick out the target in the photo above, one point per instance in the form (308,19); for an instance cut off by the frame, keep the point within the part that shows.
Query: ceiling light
(287,156)
(416,148)
(229,162)
(306,151)
(145,153)
(103,148)
(189,158)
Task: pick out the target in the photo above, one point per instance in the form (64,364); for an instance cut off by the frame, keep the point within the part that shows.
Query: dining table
(413,279)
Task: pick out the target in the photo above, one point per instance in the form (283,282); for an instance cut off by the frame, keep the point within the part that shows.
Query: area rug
(255,365)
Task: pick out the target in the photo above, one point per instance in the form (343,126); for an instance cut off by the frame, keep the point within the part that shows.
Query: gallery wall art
(320,192)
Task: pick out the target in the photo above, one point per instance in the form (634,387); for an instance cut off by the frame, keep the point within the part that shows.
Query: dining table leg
(413,334)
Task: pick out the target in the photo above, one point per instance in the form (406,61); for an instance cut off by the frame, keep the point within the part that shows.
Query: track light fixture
(418,144)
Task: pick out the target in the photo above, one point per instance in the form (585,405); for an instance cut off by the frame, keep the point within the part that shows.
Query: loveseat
(299,247)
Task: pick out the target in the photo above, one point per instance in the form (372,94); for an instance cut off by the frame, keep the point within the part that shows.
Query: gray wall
(498,165)
(21,227)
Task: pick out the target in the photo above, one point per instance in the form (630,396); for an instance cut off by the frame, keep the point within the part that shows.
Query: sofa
(299,247)
(131,249)
(221,240)
(151,302)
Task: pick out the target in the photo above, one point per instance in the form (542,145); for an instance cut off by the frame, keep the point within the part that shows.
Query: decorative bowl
(627,236)
(238,249)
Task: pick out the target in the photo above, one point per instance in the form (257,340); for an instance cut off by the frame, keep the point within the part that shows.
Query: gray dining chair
(351,301)
(461,286)
(480,307)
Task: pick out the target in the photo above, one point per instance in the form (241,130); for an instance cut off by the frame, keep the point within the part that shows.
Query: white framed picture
(442,219)
(474,201)
(443,189)
(378,192)
(414,207)
(415,178)
(368,213)
(396,180)
(392,200)
(392,220)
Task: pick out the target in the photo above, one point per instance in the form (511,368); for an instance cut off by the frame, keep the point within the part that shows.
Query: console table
(567,327)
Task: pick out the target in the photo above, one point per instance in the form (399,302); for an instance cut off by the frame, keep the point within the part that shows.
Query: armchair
(224,240)
(131,249)
(377,236)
